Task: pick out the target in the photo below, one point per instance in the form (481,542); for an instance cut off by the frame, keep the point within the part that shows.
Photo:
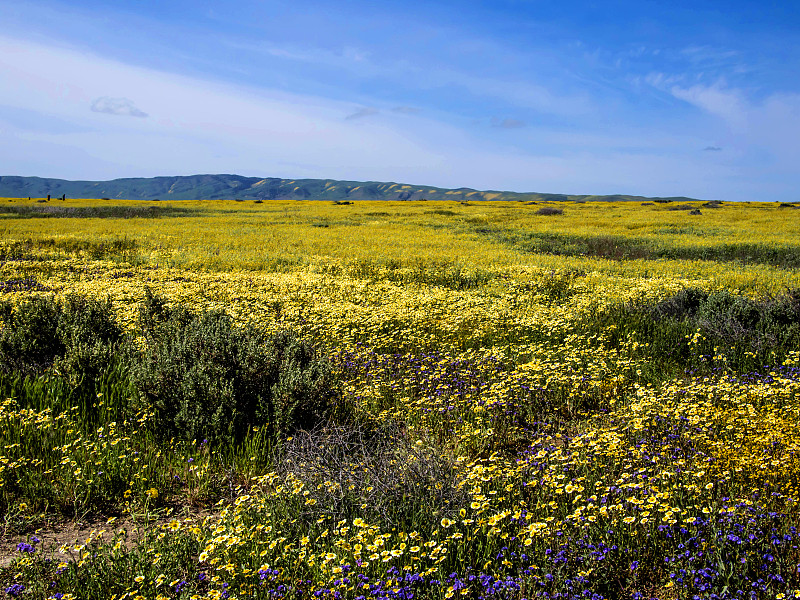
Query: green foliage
(558,286)
(154,313)
(621,247)
(78,337)
(752,333)
(90,335)
(29,340)
(549,211)
(54,485)
(105,573)
(205,378)
(418,272)
(682,305)
(735,319)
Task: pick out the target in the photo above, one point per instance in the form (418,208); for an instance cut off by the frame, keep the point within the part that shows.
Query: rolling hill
(223,187)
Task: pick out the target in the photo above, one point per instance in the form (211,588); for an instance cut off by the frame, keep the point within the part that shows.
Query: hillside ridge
(230,187)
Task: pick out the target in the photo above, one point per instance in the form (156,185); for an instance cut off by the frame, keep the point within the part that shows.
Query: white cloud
(117,106)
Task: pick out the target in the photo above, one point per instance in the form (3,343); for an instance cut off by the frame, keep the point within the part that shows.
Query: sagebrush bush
(682,305)
(549,211)
(29,342)
(77,337)
(91,337)
(735,319)
(206,378)
(731,317)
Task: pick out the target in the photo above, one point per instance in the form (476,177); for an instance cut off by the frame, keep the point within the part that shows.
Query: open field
(404,400)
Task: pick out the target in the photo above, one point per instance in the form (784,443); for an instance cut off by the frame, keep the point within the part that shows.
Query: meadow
(294,399)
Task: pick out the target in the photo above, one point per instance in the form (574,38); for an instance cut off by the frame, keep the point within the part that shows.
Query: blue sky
(653,98)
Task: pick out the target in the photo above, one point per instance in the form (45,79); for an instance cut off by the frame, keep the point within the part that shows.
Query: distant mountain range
(231,187)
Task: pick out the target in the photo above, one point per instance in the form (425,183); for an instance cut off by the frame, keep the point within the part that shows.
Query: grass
(616,247)
(123,249)
(589,404)
(50,210)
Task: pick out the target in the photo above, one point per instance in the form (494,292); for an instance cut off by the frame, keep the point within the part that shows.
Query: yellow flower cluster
(514,430)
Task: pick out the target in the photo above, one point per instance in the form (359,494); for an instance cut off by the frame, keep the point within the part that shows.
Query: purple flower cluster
(15,590)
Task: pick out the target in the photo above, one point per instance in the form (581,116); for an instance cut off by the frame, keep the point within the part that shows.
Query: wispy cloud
(205,123)
(716,99)
(117,106)
(348,57)
(523,94)
(507,123)
(769,125)
(406,110)
(760,132)
(534,91)
(202,125)
(712,58)
(366,111)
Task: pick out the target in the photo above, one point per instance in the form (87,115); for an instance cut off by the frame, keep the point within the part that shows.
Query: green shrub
(732,318)
(681,306)
(90,335)
(550,210)
(78,337)
(29,342)
(205,378)
(751,333)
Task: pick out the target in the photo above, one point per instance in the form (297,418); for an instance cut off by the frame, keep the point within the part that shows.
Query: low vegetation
(51,210)
(410,402)
(204,378)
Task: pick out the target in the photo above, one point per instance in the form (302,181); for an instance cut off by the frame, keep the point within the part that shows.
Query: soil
(75,532)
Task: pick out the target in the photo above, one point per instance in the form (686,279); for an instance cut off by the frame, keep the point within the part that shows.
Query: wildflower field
(429,400)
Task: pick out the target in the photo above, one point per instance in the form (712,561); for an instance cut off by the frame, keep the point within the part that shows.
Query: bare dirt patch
(54,535)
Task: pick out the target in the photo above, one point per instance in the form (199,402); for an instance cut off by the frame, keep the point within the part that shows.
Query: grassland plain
(602,403)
